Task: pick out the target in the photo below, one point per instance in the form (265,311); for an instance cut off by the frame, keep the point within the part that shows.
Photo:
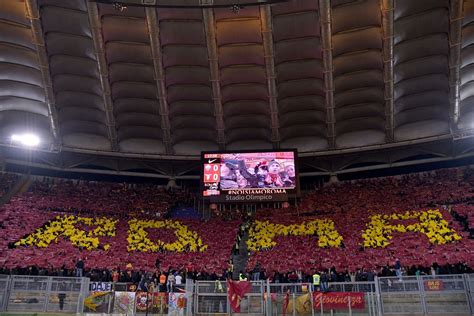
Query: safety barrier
(4,284)
(426,295)
(211,298)
(470,289)
(422,295)
(43,294)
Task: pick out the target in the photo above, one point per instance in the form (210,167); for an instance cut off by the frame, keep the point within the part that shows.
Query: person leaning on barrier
(256,272)
(62,287)
(218,288)
(143,285)
(398,268)
(324,281)
(170,283)
(152,287)
(115,275)
(79,268)
(178,279)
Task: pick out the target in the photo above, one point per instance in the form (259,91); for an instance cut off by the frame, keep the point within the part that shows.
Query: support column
(326,38)
(96,26)
(154,33)
(210,28)
(387,25)
(43,60)
(269,56)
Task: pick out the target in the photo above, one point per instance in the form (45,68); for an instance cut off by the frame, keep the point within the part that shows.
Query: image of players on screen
(254,172)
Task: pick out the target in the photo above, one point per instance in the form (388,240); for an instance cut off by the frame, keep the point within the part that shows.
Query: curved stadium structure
(346,83)
(112,111)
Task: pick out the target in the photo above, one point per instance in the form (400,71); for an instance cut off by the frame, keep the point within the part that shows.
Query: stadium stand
(353,221)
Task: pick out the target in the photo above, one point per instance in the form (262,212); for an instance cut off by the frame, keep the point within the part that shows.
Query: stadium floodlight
(27,139)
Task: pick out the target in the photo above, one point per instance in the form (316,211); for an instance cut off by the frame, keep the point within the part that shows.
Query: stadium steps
(240,260)
(21,186)
(464,223)
(409,304)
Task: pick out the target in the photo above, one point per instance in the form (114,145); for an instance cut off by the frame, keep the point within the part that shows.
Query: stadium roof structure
(345,82)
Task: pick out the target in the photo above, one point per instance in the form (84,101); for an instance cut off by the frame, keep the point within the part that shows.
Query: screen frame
(295,192)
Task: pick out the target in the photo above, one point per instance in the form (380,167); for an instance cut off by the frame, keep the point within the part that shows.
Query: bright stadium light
(28,140)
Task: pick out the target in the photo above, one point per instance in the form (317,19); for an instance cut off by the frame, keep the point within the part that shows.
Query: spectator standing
(316,281)
(371,275)
(143,286)
(333,274)
(352,277)
(324,281)
(299,274)
(79,268)
(398,268)
(171,280)
(162,282)
(178,279)
(256,272)
(115,276)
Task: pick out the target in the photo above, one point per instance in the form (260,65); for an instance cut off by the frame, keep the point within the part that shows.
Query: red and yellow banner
(338,300)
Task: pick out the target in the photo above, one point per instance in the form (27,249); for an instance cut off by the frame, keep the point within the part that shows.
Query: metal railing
(4,284)
(470,290)
(43,294)
(426,295)
(211,298)
(422,295)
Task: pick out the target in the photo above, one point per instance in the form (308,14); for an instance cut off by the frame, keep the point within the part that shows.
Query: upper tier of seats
(7,180)
(101,196)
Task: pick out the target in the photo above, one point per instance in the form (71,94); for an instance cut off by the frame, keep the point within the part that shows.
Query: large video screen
(249,176)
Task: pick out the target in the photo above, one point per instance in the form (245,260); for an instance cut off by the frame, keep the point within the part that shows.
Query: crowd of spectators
(167,280)
(333,275)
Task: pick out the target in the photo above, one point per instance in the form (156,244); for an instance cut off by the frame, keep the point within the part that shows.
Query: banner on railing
(100,286)
(98,302)
(434,285)
(177,303)
(339,300)
(301,304)
(124,302)
(154,303)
